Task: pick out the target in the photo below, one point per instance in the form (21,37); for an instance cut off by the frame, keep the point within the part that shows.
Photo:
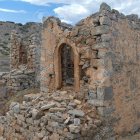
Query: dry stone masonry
(105,62)
(89,78)
(5,30)
(24,58)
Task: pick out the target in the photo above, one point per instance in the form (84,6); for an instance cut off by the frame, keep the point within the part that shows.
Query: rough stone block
(106,38)
(133,17)
(84,32)
(86,65)
(74,129)
(136,128)
(100,111)
(92,94)
(37,114)
(104,6)
(54,136)
(75,112)
(86,54)
(108,93)
(105,93)
(101,45)
(15,107)
(99,30)
(96,102)
(43,89)
(102,54)
(94,54)
(72,136)
(48,106)
(105,21)
(74,32)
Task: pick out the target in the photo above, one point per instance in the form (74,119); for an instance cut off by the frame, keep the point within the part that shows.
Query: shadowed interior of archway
(67,65)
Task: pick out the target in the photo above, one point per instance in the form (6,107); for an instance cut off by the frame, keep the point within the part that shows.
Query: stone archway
(58,65)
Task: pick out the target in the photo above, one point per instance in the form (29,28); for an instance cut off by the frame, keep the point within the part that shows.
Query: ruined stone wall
(108,49)
(90,38)
(119,52)
(25,46)
(5,29)
(106,63)
(82,37)
(125,77)
(24,58)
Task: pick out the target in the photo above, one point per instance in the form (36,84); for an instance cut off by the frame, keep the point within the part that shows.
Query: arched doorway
(66,64)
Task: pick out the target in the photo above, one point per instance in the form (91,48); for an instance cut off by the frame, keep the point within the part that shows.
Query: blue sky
(18,11)
(71,11)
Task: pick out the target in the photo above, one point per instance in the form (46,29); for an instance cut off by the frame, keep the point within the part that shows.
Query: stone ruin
(24,60)
(103,65)
(89,80)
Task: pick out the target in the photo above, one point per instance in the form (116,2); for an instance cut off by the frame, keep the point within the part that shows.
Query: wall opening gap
(23,55)
(67,66)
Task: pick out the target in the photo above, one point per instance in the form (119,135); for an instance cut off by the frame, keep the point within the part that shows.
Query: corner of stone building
(94,39)
(119,58)
(105,92)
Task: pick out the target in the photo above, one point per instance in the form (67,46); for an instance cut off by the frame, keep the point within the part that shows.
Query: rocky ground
(54,116)
(60,115)
(6,99)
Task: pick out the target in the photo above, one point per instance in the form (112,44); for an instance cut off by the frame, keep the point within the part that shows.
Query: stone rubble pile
(53,116)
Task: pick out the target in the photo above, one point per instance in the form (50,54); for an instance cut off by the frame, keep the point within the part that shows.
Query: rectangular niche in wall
(22,55)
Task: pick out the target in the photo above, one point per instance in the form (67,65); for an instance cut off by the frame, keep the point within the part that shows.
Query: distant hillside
(5,30)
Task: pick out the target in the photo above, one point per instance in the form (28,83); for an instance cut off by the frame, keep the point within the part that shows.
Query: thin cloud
(46,2)
(71,13)
(74,10)
(11,11)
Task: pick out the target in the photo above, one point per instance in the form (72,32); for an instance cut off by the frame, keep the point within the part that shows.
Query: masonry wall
(91,39)
(125,78)
(24,58)
(121,62)
(5,30)
(106,48)
(107,43)
(81,38)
